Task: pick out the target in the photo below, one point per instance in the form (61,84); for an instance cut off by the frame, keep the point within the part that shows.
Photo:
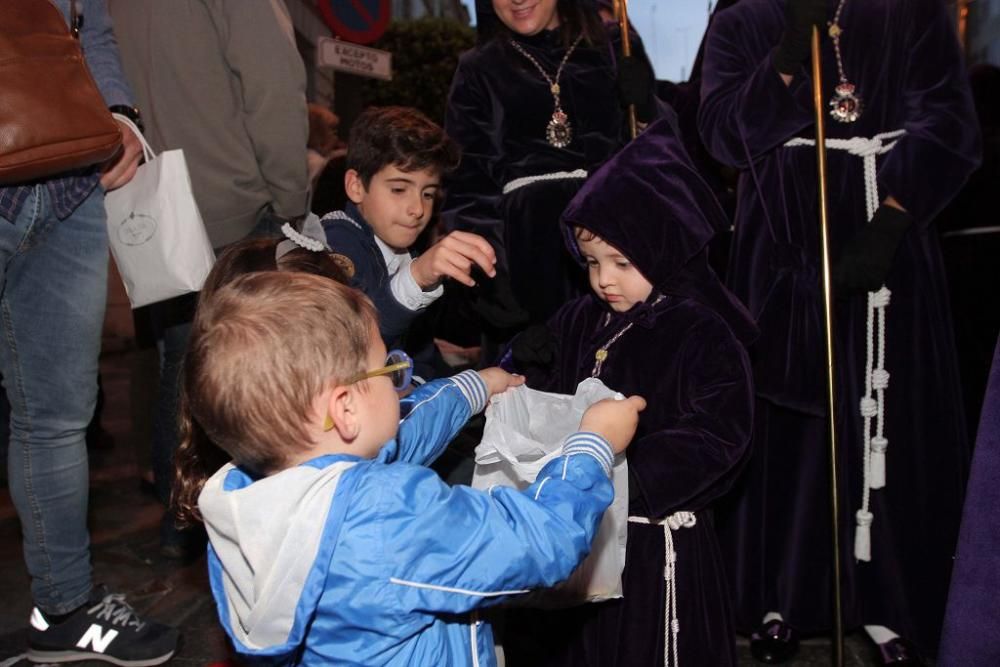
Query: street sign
(358,21)
(348,57)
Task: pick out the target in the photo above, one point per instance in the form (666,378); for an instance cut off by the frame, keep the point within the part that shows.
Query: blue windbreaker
(348,561)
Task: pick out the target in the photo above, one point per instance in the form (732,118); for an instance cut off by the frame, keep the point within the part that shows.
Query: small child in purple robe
(660,322)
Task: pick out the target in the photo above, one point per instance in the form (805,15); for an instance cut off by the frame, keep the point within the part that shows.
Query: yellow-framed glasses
(398,366)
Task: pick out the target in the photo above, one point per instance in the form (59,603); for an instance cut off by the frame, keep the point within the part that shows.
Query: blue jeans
(53,290)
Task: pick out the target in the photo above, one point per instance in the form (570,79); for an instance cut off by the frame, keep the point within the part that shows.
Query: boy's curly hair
(399,136)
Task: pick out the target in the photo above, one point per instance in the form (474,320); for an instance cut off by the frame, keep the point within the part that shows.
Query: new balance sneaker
(107,629)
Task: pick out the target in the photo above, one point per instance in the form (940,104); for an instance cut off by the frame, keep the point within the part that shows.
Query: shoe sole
(35,655)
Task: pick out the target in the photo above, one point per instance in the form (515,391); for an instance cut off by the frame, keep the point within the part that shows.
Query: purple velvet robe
(971,633)
(498,109)
(904,59)
(686,355)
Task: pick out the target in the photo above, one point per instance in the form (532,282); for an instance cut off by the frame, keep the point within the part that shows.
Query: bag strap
(147,150)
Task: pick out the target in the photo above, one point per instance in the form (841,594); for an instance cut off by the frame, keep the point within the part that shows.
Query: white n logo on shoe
(38,621)
(94,637)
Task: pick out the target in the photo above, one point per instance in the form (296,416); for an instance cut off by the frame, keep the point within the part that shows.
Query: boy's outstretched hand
(498,380)
(614,420)
(454,256)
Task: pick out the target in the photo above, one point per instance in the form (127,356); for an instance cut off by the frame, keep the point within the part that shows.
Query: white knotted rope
(868,149)
(671,624)
(517,183)
(876,377)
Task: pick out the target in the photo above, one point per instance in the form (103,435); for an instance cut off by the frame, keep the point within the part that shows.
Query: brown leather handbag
(52,115)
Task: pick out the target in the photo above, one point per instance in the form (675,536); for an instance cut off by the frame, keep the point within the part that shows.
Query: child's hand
(498,380)
(614,420)
(454,256)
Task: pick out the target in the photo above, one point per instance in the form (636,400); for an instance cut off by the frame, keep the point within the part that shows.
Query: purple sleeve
(941,147)
(473,120)
(695,457)
(746,109)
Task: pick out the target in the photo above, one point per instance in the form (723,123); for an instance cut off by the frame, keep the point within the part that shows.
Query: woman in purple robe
(683,346)
(535,107)
(902,140)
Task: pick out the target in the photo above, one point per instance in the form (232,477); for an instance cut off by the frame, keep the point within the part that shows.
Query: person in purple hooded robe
(970,634)
(536,106)
(658,321)
(901,141)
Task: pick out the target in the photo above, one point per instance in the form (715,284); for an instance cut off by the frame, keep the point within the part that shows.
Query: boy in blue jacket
(330,542)
(396,158)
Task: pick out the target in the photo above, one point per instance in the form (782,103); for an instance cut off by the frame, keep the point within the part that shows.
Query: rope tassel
(872,409)
(877,471)
(863,535)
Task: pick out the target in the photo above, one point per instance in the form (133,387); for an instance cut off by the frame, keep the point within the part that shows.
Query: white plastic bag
(525,429)
(155,231)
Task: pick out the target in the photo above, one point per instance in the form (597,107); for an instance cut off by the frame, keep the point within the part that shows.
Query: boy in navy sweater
(396,157)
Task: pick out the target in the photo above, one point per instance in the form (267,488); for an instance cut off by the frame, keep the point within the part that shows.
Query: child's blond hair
(262,347)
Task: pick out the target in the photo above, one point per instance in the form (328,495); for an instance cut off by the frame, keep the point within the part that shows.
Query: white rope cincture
(872,405)
(671,624)
(868,149)
(517,183)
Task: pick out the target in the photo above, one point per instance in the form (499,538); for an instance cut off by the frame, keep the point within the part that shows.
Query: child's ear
(342,413)
(354,187)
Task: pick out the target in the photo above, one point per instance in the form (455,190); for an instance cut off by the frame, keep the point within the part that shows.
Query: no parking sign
(358,21)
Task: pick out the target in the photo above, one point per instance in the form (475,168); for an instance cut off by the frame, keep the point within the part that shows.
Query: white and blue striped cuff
(592,444)
(472,386)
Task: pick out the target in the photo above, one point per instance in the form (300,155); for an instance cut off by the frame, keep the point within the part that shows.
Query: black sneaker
(107,629)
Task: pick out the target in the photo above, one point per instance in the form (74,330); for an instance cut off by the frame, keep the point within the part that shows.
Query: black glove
(535,347)
(493,301)
(866,260)
(800,17)
(635,86)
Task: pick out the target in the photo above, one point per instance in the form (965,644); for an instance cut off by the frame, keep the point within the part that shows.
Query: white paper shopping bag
(156,232)
(525,429)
